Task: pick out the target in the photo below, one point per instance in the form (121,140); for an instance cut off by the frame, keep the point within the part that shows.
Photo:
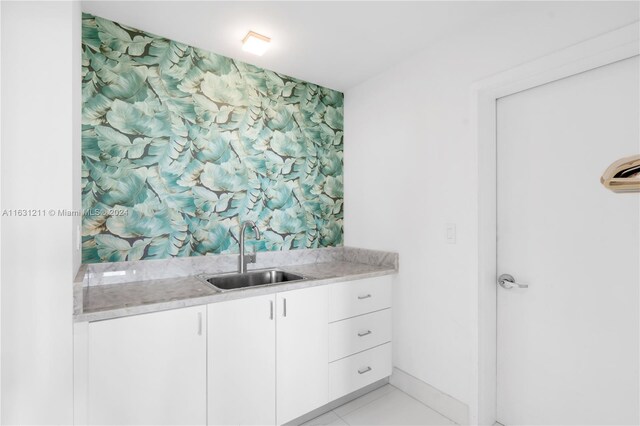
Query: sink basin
(228,282)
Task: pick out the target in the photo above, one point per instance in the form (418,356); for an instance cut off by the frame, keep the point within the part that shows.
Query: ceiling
(334,44)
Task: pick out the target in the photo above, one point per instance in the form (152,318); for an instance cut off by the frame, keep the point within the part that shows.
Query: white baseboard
(81,373)
(439,401)
(338,402)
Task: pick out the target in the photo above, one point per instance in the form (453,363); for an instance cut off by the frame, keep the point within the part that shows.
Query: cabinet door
(302,347)
(242,362)
(149,369)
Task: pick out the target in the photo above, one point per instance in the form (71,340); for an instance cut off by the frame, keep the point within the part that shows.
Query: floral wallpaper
(179,145)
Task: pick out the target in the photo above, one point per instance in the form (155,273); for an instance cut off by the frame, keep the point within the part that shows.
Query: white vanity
(245,357)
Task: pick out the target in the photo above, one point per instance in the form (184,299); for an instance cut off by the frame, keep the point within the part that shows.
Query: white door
(242,362)
(568,344)
(303,351)
(149,369)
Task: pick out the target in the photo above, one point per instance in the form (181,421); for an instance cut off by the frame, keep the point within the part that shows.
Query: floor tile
(364,400)
(338,422)
(395,408)
(327,419)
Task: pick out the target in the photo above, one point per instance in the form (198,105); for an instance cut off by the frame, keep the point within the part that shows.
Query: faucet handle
(250,258)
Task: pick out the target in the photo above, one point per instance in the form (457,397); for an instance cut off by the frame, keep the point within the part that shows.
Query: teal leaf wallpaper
(179,145)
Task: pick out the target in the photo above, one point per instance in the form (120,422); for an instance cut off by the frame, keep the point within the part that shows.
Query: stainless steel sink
(235,281)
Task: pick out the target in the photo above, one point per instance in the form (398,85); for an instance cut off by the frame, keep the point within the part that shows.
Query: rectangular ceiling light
(255,43)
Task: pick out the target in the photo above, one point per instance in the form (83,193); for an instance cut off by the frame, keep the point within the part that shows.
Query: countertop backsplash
(95,274)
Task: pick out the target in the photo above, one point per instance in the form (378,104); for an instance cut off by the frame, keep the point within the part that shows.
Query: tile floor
(387,406)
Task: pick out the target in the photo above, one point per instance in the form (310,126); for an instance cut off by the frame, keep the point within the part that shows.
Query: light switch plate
(451,233)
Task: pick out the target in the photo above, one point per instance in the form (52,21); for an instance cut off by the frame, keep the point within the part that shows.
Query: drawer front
(359,370)
(353,298)
(353,335)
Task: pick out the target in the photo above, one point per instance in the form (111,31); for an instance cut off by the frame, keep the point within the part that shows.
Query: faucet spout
(242,263)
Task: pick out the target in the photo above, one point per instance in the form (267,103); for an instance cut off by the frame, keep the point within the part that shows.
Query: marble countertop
(124,299)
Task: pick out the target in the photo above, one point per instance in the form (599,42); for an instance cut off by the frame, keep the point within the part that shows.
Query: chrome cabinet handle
(199,323)
(366,296)
(270,309)
(508,282)
(364,370)
(364,333)
(284,307)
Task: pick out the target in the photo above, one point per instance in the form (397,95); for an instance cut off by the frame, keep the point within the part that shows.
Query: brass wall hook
(623,175)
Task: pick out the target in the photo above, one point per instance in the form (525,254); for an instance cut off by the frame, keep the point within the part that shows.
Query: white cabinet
(259,360)
(354,372)
(359,334)
(148,369)
(247,386)
(352,298)
(242,362)
(302,352)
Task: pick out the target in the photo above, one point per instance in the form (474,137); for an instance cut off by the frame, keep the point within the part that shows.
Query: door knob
(508,282)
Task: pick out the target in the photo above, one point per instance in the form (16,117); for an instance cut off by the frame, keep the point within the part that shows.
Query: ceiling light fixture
(255,43)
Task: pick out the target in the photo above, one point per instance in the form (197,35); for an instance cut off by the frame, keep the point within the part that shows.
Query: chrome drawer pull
(366,296)
(364,370)
(364,333)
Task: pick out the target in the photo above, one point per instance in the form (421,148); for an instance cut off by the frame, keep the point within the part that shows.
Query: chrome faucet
(242,264)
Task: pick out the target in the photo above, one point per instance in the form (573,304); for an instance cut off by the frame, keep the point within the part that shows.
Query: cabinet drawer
(359,370)
(359,297)
(353,335)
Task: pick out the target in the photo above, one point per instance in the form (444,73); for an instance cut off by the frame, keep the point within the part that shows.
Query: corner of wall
(76,122)
(439,401)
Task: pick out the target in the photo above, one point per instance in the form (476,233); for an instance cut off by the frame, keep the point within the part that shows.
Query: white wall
(409,170)
(39,51)
(76,111)
(411,167)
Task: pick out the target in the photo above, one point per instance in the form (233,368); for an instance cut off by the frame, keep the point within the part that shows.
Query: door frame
(623,43)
